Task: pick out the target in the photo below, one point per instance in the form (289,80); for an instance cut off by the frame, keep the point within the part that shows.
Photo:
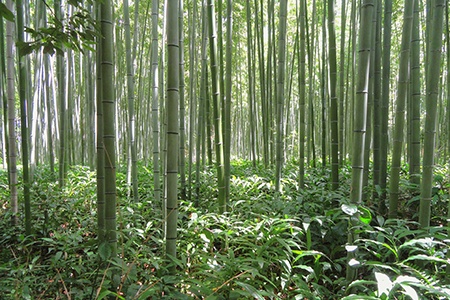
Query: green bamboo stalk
(221,67)
(352,71)
(291,114)
(200,145)
(311,53)
(173,97)
(216,108)
(341,124)
(370,108)
(108,105)
(69,111)
(251,81)
(155,110)
(403,82)
(271,92)
(130,95)
(377,102)
(50,116)
(433,70)
(334,136)
(163,119)
(22,74)
(228,100)
(447,34)
(414,113)
(62,102)
(10,90)
(182,158)
(360,117)
(207,117)
(37,101)
(386,73)
(90,107)
(447,38)
(280,92)
(324,89)
(259,17)
(302,93)
(3,97)
(100,146)
(193,66)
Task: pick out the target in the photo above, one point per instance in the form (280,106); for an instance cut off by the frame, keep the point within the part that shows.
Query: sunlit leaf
(410,292)
(384,284)
(306,225)
(354,263)
(349,209)
(204,238)
(380,220)
(427,258)
(351,248)
(359,297)
(365,215)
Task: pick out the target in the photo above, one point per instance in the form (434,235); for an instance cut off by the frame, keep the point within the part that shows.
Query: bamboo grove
(181,85)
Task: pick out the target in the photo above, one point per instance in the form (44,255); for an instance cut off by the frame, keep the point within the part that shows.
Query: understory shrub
(288,245)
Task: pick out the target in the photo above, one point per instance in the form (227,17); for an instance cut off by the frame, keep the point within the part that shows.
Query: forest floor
(288,245)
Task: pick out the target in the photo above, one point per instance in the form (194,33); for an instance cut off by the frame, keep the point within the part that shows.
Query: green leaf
(360,282)
(6,13)
(365,215)
(359,297)
(105,251)
(49,49)
(250,289)
(106,293)
(378,189)
(147,294)
(427,258)
(24,48)
(426,243)
(380,220)
(48,240)
(57,256)
(301,253)
(74,2)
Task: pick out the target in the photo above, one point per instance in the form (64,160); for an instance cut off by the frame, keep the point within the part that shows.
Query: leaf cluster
(399,261)
(78,32)
(291,245)
(6,13)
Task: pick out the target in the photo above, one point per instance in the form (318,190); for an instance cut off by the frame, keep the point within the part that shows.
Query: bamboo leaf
(384,284)
(349,209)
(6,13)
(365,215)
(250,289)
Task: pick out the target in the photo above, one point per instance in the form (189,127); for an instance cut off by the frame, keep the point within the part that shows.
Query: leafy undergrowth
(291,245)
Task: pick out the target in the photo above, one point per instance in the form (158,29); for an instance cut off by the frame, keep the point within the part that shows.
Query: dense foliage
(269,246)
